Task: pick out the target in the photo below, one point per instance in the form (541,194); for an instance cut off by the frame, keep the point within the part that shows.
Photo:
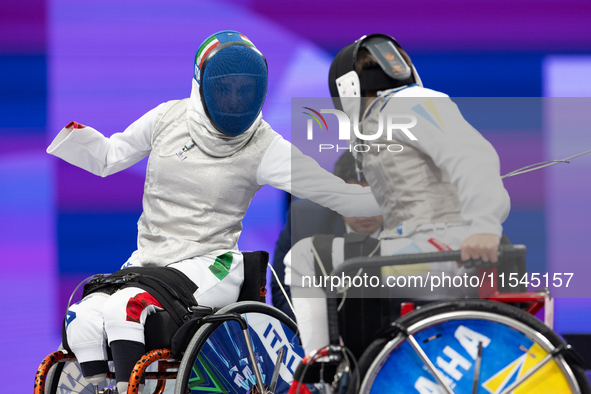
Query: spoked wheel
(471,347)
(66,378)
(217,358)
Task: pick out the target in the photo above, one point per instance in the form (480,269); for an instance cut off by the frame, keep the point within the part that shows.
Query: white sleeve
(472,164)
(90,150)
(285,167)
(309,303)
(299,262)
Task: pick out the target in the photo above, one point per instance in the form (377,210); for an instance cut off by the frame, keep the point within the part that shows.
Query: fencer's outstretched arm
(90,150)
(285,167)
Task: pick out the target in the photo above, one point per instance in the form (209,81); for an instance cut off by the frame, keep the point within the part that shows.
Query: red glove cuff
(74,125)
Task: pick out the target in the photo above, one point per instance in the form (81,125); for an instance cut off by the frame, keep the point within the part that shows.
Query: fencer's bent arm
(285,167)
(90,150)
(472,164)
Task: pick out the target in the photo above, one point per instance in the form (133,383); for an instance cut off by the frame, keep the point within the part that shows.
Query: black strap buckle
(131,277)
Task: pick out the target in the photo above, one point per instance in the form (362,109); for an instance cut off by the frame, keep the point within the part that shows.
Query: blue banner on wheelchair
(223,364)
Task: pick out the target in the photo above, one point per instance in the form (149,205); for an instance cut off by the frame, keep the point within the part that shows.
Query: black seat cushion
(159,329)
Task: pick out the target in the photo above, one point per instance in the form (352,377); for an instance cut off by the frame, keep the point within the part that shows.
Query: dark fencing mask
(391,71)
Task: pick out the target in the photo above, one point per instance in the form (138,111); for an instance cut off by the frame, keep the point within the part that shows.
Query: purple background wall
(106,63)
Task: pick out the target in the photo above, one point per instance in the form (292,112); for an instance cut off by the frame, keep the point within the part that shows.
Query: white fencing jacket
(194,201)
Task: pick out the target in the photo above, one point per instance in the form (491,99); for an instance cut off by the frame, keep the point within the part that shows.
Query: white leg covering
(84,328)
(96,379)
(122,388)
(311,315)
(215,291)
(125,314)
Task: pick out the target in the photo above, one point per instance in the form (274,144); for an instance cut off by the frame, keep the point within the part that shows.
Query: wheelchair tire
(66,378)
(449,332)
(216,359)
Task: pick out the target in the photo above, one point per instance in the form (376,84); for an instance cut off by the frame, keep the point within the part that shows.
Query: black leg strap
(125,355)
(92,368)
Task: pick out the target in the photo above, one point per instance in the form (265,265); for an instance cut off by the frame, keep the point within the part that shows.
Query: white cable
(282,289)
(320,264)
(346,289)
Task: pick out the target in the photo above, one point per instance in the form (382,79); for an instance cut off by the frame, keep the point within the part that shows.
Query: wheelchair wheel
(66,378)
(476,346)
(217,360)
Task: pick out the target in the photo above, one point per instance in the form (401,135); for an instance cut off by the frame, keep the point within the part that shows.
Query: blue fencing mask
(232,77)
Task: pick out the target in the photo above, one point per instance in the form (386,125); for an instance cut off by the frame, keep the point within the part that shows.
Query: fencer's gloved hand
(74,125)
(481,247)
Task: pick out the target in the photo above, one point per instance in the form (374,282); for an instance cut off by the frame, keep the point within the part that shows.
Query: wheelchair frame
(489,290)
(168,366)
(149,358)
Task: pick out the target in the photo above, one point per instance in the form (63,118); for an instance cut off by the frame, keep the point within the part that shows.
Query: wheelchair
(245,347)
(461,346)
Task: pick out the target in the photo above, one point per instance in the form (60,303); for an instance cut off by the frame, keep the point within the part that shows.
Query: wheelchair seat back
(161,331)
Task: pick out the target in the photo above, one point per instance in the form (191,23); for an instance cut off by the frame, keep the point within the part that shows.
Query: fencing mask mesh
(233,85)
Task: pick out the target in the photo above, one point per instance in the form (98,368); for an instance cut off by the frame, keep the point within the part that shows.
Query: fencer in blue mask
(208,156)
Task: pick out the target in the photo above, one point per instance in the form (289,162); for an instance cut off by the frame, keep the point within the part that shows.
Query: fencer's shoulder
(167,113)
(419,91)
(167,105)
(265,133)
(179,106)
(265,127)
(409,97)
